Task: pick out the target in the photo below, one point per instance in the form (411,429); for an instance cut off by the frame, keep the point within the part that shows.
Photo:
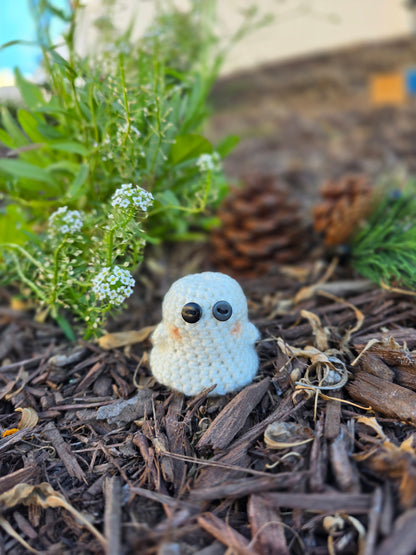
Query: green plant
(131,114)
(384,250)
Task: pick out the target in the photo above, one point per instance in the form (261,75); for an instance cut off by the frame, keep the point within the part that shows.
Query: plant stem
(56,272)
(28,282)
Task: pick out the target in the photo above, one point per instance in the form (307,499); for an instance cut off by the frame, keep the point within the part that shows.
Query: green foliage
(132,113)
(385,249)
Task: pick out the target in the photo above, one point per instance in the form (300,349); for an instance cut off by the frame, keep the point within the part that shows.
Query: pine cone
(347,203)
(261,228)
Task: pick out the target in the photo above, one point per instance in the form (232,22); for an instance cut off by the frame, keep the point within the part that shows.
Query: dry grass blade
(12,532)
(44,496)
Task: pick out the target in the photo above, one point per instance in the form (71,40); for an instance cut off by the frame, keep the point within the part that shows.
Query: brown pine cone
(262,227)
(347,203)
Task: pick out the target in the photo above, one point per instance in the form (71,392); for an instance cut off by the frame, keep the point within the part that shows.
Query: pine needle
(384,251)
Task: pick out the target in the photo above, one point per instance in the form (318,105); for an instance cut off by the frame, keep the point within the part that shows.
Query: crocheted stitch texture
(190,357)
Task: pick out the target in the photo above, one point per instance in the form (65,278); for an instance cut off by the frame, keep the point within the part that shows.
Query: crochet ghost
(205,337)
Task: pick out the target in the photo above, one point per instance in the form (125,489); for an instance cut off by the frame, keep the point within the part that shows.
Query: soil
(317,455)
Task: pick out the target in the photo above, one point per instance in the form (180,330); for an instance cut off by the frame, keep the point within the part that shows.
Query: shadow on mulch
(101,459)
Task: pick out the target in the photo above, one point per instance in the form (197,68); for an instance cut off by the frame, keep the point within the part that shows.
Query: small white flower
(129,195)
(66,221)
(208,162)
(79,81)
(113,285)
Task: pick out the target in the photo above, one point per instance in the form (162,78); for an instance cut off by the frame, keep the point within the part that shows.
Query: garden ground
(101,459)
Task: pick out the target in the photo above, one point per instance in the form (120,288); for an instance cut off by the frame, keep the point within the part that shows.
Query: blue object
(410,81)
(17,23)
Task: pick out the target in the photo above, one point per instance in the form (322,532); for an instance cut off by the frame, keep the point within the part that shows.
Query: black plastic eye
(191,312)
(222,311)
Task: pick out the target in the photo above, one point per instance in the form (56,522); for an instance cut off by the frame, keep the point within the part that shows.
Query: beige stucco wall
(300,27)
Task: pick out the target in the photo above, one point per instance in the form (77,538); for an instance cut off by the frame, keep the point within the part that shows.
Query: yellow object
(388,88)
(10,432)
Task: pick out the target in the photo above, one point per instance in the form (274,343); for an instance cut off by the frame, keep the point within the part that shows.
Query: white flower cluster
(113,285)
(122,130)
(129,195)
(208,162)
(66,221)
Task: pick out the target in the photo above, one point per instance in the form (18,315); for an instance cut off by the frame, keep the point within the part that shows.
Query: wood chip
(389,399)
(333,416)
(112,515)
(64,452)
(343,468)
(246,486)
(322,502)
(14,478)
(127,410)
(372,363)
(233,417)
(267,531)
(225,534)
(402,540)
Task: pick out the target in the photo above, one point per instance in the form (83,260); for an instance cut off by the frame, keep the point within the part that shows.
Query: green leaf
(30,125)
(24,170)
(31,93)
(12,129)
(189,146)
(65,327)
(64,165)
(12,225)
(167,198)
(14,42)
(69,146)
(76,189)
(227,145)
(49,132)
(6,139)
(58,59)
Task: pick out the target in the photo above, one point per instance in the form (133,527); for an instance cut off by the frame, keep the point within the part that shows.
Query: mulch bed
(154,472)
(316,456)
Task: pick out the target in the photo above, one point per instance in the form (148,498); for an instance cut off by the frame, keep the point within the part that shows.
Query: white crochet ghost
(205,337)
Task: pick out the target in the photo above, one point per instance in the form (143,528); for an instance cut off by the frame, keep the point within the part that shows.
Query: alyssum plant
(109,144)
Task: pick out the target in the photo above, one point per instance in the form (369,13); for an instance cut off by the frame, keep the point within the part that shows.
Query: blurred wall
(300,27)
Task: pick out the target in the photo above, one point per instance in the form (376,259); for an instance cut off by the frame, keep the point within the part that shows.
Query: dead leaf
(396,462)
(29,418)
(281,435)
(123,338)
(372,423)
(319,332)
(44,496)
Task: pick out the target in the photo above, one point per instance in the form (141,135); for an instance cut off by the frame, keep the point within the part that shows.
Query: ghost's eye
(191,312)
(222,311)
